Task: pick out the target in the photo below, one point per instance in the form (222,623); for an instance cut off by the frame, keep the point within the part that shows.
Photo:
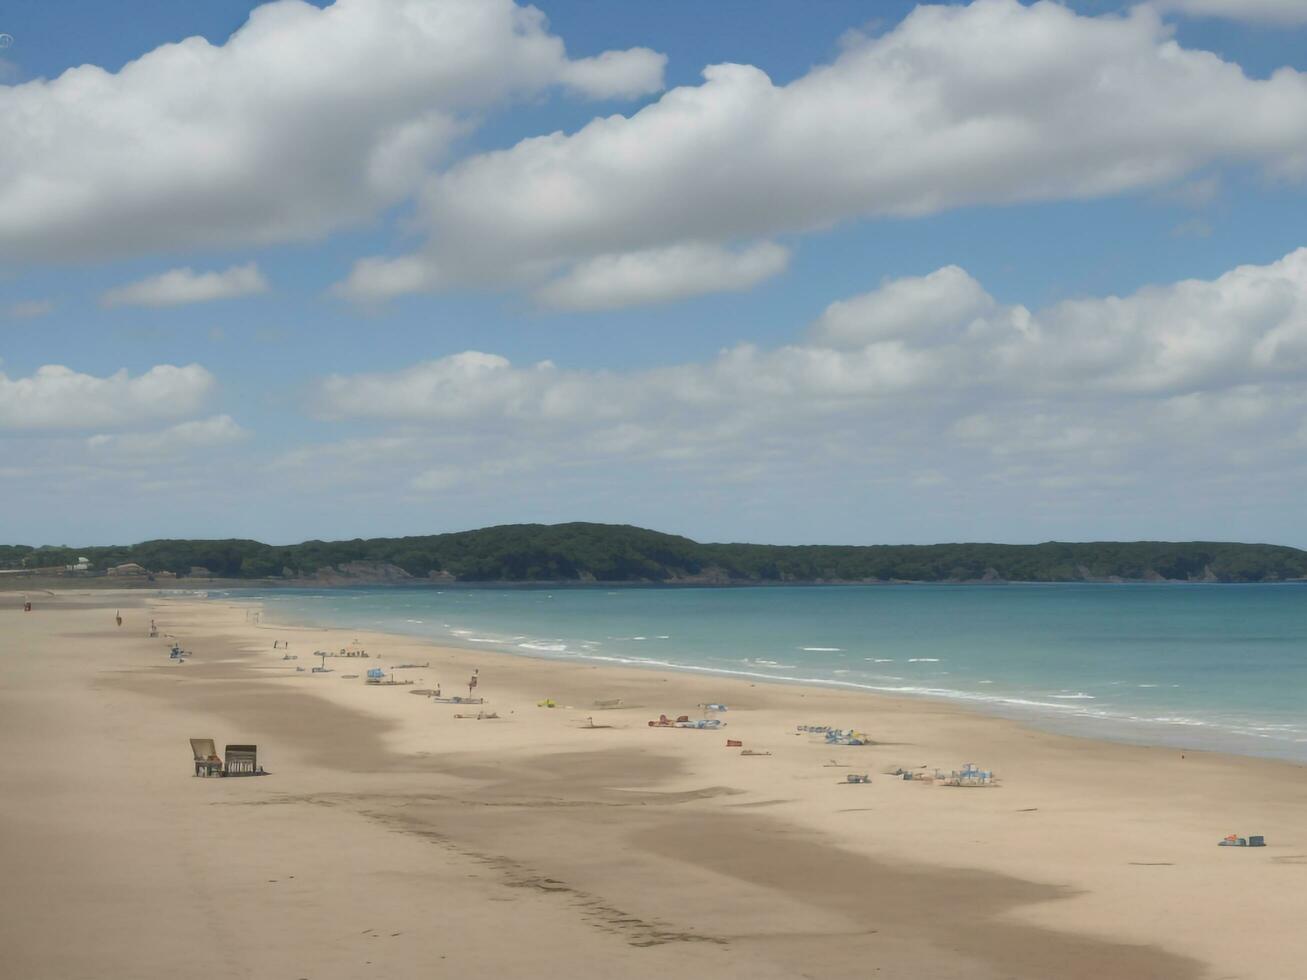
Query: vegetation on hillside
(620,553)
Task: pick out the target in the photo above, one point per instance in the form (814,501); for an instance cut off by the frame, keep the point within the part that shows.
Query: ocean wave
(1078,696)
(544,647)
(822,649)
(923,660)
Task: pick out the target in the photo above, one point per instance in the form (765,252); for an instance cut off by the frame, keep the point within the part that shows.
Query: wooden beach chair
(242,760)
(207,762)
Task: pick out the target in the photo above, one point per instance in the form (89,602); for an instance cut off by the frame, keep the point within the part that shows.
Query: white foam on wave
(923,660)
(822,649)
(544,647)
(1078,696)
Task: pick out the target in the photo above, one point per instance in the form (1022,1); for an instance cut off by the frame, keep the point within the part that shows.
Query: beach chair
(207,762)
(242,760)
(605,704)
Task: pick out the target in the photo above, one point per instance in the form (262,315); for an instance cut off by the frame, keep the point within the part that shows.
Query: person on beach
(118,616)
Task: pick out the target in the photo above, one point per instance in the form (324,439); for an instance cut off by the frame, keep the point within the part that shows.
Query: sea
(1220,667)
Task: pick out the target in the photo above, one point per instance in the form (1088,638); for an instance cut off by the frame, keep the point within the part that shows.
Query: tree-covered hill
(621,553)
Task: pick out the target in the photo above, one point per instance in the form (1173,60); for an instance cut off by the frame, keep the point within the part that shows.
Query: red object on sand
(734,743)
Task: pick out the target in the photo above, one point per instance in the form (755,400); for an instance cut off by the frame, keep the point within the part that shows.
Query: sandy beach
(393,839)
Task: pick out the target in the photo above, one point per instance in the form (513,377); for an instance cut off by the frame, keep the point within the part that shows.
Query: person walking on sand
(118,615)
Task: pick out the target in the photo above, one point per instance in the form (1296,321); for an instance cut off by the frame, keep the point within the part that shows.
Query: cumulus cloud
(178,287)
(659,275)
(1283,12)
(57,397)
(916,305)
(305,120)
(992,103)
(920,381)
(219,430)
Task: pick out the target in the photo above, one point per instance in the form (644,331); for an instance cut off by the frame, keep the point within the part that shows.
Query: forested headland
(584,552)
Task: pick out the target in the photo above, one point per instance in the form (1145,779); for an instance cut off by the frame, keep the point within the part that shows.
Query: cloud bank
(988,104)
(930,374)
(57,397)
(306,120)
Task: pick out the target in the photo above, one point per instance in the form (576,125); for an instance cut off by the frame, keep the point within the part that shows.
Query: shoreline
(15,582)
(1050,717)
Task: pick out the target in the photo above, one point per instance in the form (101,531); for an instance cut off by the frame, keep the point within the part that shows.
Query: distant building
(128,569)
(81,565)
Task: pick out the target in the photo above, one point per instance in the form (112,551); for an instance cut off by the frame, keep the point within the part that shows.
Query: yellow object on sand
(547,703)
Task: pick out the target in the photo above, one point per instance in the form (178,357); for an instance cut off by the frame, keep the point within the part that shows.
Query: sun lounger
(733,743)
(606,704)
(459,700)
(702,724)
(857,778)
(752,752)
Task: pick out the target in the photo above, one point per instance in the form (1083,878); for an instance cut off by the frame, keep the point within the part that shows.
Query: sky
(789,272)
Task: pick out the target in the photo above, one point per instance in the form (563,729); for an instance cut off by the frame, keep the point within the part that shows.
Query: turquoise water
(1200,666)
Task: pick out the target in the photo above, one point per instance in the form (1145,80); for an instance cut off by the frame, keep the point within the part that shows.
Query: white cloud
(30,308)
(1283,12)
(219,430)
(991,103)
(917,379)
(660,275)
(616,74)
(944,299)
(56,397)
(178,287)
(305,120)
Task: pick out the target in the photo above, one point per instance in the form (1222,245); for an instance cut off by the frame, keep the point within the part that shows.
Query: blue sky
(365,349)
